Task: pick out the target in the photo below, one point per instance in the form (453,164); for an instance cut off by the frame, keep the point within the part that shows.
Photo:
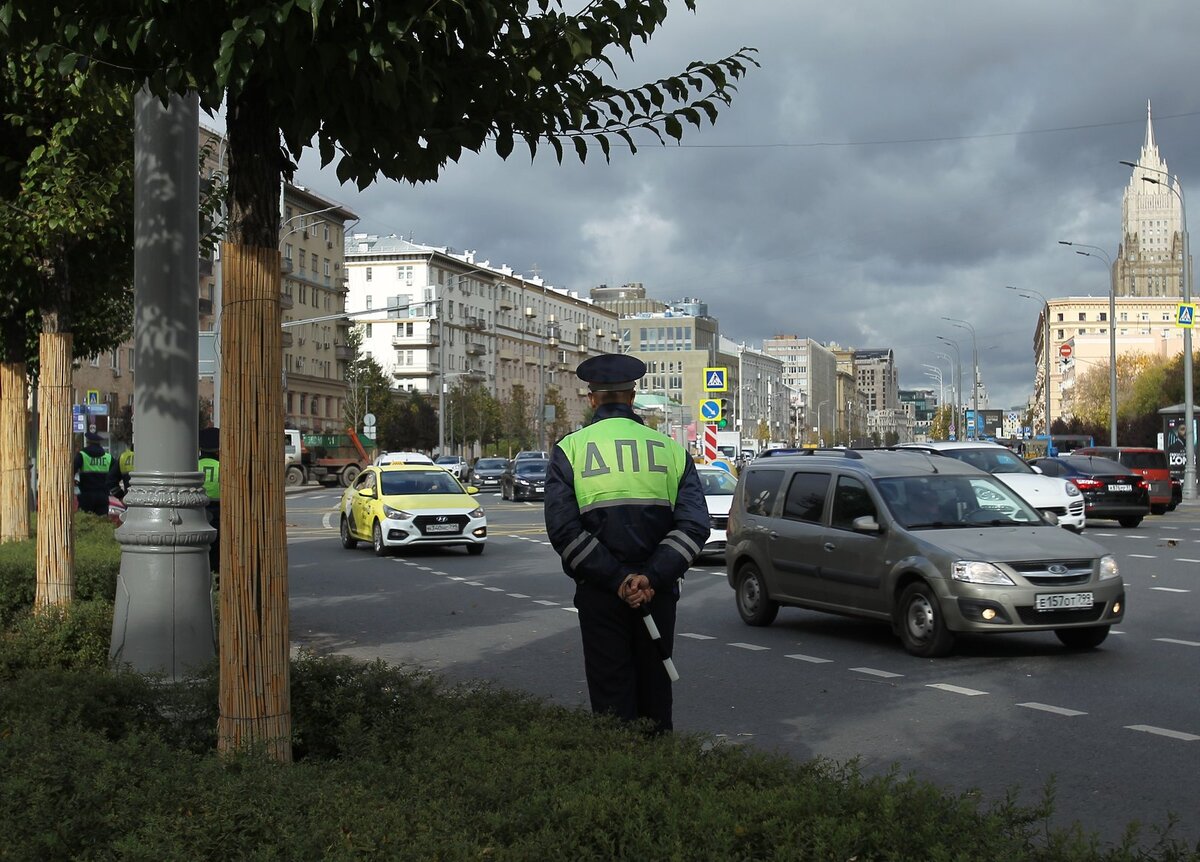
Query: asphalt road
(1117,729)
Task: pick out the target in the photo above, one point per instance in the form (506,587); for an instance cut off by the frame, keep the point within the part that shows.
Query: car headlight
(977,572)
(476,513)
(1108,568)
(396,514)
(521,481)
(1073,490)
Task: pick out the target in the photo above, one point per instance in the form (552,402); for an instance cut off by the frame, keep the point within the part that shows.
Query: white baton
(658,642)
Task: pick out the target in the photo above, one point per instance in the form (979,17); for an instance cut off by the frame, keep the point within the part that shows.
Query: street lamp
(1189,407)
(962,324)
(1028,293)
(820,433)
(1098,253)
(957,385)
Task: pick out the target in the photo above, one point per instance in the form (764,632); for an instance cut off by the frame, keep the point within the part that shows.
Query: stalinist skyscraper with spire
(1150,260)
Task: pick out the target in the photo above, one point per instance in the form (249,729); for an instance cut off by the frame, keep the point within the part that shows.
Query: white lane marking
(425,568)
(545,602)
(696,637)
(1170,528)
(494,589)
(873,672)
(1057,710)
(811,659)
(1177,641)
(454,578)
(956,689)
(474,584)
(1135,536)
(1162,731)
(571,610)
(517,595)
(755,647)
(1143,556)
(1110,535)
(325,522)
(1185,560)
(1169,590)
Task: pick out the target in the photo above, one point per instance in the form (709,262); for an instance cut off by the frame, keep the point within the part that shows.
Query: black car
(488,472)
(525,480)
(1110,490)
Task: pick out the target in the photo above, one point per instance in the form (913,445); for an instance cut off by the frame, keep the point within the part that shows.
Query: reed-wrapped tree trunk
(55,537)
(14,453)
(254,642)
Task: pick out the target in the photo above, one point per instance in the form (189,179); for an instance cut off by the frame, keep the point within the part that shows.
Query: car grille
(1039,574)
(1031,617)
(423,523)
(719,522)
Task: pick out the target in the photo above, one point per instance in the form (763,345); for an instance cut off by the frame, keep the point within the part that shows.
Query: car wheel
(922,626)
(475,550)
(294,477)
(1130,523)
(1172,507)
(753,603)
(1085,638)
(348,540)
(348,475)
(1160,509)
(377,541)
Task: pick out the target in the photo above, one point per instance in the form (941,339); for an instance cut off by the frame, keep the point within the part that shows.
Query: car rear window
(1097,466)
(1144,460)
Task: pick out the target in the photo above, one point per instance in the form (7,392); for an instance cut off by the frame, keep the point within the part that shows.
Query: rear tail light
(1088,484)
(1144,484)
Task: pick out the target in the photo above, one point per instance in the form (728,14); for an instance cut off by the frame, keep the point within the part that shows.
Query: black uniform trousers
(625,673)
(213,512)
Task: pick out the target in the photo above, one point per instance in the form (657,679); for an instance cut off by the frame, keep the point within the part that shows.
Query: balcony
(415,342)
(206,305)
(286,300)
(286,339)
(476,323)
(508,355)
(475,349)
(406,372)
(285,265)
(343,351)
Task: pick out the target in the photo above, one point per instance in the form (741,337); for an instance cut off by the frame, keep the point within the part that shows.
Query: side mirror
(1051,517)
(471,489)
(366,492)
(866,524)
(1035,468)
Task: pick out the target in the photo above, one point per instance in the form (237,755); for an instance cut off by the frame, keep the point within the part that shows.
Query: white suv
(1044,493)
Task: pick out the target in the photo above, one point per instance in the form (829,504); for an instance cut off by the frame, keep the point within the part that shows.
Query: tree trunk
(254,697)
(14,453)
(55,537)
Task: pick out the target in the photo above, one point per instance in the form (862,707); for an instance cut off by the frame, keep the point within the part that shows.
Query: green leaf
(580,149)
(673,127)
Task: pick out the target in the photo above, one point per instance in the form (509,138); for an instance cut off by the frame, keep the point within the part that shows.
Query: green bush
(396,765)
(68,638)
(97,563)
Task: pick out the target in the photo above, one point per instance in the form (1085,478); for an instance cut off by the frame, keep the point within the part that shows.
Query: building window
(1103,316)
(368,275)
(368,335)
(369,297)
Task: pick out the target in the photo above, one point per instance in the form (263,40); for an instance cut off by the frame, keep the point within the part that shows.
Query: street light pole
(1028,293)
(1099,253)
(962,324)
(957,383)
(1189,407)
(820,433)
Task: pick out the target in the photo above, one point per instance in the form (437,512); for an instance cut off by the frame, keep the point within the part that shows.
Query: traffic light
(723,422)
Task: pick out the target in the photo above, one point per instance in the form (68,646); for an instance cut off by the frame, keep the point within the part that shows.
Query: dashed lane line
(696,637)
(546,602)
(752,647)
(1169,590)
(812,659)
(1186,560)
(1143,556)
(1162,731)
(1177,641)
(885,674)
(1057,710)
(516,595)
(956,689)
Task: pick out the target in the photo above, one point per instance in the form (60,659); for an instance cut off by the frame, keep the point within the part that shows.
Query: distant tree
(516,419)
(891,438)
(66,251)
(395,89)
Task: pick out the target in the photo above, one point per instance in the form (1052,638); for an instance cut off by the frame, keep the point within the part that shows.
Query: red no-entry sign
(1064,351)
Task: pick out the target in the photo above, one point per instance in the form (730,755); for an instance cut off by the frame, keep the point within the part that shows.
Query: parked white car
(719,486)
(386,458)
(1044,493)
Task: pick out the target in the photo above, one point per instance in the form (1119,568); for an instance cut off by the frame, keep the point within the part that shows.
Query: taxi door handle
(830,546)
(773,534)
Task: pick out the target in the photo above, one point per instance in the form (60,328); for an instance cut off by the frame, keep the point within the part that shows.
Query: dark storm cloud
(891,163)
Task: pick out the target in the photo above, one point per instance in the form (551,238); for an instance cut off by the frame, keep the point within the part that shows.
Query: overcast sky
(891,163)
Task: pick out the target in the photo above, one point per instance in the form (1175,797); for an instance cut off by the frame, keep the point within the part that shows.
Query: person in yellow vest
(625,511)
(118,473)
(210,467)
(91,467)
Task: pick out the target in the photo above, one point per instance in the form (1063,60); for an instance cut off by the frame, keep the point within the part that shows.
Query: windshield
(941,500)
(448,459)
(403,483)
(531,467)
(991,460)
(491,464)
(717,482)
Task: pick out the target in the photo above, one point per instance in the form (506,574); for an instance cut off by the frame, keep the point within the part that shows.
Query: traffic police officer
(210,466)
(92,464)
(625,510)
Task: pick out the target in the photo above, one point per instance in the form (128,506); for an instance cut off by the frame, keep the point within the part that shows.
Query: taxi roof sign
(716,379)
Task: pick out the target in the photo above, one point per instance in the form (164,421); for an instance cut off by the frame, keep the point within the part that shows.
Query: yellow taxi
(403,505)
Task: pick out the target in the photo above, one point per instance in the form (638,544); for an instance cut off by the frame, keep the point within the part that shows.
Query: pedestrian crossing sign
(716,379)
(1185,315)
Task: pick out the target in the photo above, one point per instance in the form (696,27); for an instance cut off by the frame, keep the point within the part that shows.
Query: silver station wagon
(929,544)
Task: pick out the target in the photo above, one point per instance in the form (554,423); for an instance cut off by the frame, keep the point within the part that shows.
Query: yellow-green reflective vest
(95,463)
(211,468)
(125,462)
(620,462)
